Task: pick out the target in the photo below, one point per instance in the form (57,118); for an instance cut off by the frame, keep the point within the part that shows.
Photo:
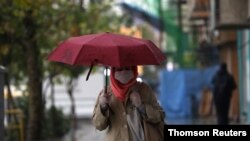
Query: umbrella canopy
(108,49)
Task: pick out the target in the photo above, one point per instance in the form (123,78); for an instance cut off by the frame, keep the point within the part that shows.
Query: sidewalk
(190,121)
(208,120)
(87,132)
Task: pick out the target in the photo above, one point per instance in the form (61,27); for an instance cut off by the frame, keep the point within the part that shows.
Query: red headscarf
(120,89)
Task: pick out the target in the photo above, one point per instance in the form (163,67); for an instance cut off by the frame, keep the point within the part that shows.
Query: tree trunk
(70,89)
(35,95)
(52,92)
(34,80)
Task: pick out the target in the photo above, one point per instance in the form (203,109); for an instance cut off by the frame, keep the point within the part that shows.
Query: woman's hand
(104,100)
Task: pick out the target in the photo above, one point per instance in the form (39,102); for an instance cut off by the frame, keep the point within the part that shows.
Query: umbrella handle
(106,88)
(106,80)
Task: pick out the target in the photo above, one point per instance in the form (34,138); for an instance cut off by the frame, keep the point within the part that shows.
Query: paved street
(86,132)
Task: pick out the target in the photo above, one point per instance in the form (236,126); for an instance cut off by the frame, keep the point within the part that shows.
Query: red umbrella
(107,49)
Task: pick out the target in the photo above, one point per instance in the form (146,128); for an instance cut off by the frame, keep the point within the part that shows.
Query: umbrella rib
(154,53)
(75,59)
(79,52)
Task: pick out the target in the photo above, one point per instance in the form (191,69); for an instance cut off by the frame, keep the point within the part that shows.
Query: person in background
(224,85)
(129,111)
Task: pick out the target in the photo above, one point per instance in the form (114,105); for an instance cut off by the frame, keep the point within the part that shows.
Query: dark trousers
(222,107)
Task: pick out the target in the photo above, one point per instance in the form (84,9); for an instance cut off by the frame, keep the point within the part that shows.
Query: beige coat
(116,124)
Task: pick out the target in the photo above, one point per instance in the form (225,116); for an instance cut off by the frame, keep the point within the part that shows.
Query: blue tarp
(180,90)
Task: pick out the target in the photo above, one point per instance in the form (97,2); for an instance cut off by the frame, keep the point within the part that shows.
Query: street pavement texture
(86,132)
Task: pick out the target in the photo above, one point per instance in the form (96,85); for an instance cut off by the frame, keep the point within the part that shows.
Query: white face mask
(124,76)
